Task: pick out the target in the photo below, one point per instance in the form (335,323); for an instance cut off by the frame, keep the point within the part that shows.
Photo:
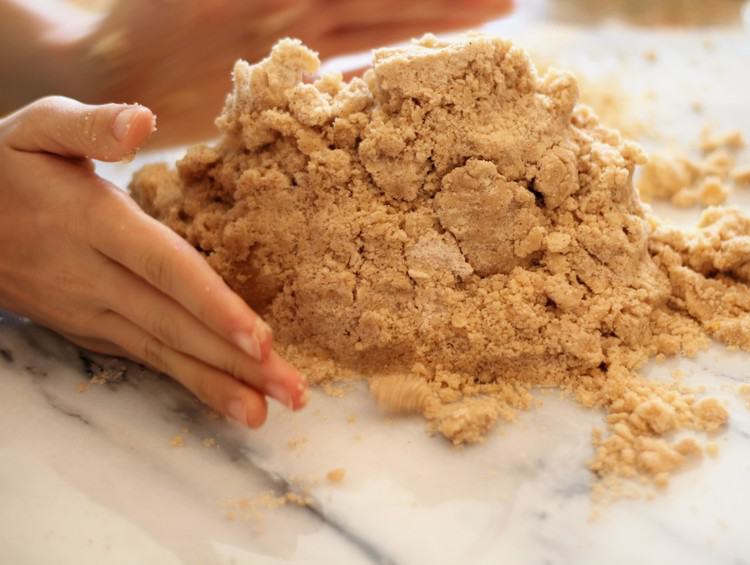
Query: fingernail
(250,344)
(280,393)
(238,411)
(122,123)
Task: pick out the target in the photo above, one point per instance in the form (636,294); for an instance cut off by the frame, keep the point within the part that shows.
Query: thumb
(65,127)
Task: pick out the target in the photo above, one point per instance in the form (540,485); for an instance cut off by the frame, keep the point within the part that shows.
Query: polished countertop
(102,461)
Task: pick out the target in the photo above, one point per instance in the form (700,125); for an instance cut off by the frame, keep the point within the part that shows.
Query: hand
(80,257)
(177,58)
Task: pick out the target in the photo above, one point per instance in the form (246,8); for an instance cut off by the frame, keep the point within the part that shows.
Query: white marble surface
(90,477)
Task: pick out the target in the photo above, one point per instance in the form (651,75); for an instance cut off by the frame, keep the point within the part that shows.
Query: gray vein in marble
(55,403)
(176,401)
(283,486)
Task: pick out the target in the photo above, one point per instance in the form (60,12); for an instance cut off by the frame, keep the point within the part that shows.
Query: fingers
(96,345)
(166,261)
(171,324)
(67,128)
(216,389)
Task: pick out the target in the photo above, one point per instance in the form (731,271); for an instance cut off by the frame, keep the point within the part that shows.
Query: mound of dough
(456,219)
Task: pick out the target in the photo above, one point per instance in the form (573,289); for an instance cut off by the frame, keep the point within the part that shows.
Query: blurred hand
(80,257)
(176,57)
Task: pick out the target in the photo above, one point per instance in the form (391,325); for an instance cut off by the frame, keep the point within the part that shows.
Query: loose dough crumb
(744,391)
(336,475)
(741,175)
(712,192)
(455,228)
(209,442)
(719,163)
(254,507)
(337,390)
(668,176)
(177,441)
(710,140)
(686,182)
(297,442)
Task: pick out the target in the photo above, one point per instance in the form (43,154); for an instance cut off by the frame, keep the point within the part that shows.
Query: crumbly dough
(710,140)
(686,182)
(454,227)
(741,175)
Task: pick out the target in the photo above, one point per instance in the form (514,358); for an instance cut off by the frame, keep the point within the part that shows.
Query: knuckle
(232,365)
(73,283)
(152,353)
(206,309)
(164,329)
(48,104)
(87,126)
(78,324)
(157,271)
(200,386)
(65,314)
(42,109)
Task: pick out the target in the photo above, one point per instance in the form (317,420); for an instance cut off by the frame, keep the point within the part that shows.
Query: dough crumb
(336,475)
(297,442)
(337,390)
(254,508)
(741,175)
(712,192)
(455,228)
(744,391)
(673,176)
(177,440)
(710,140)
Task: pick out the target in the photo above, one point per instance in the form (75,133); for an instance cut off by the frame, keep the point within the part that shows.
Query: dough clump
(454,227)
(685,182)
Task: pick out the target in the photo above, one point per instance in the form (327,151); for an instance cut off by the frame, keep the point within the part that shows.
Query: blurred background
(175,56)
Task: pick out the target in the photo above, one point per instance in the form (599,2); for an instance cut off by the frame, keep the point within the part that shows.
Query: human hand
(81,258)
(177,59)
